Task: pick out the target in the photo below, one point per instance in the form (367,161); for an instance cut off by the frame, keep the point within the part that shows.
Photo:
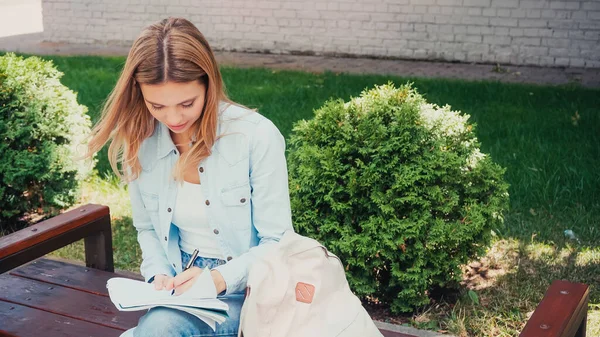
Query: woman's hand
(184,281)
(160,281)
(219,281)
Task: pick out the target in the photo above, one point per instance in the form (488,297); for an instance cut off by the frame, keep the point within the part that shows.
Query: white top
(190,217)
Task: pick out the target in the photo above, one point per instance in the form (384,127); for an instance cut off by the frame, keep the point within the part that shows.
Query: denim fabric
(245,187)
(201,262)
(167,322)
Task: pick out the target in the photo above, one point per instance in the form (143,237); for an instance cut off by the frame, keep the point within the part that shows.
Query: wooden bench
(46,297)
(561,313)
(53,298)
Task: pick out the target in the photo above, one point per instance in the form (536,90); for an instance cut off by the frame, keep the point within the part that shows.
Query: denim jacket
(245,185)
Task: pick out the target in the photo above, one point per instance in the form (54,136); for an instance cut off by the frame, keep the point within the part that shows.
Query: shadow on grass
(502,289)
(511,280)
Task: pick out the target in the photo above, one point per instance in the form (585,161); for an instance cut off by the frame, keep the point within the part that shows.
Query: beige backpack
(299,289)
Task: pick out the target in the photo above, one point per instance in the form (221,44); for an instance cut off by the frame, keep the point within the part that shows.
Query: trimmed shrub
(398,189)
(41,124)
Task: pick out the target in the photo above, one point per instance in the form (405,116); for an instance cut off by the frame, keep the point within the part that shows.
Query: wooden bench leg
(98,247)
(581,331)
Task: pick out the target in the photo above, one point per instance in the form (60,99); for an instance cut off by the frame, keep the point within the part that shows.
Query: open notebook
(133,295)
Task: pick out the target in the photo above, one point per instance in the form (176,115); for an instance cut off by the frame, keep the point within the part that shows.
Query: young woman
(204,173)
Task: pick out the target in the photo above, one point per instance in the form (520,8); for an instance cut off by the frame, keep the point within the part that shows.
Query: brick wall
(533,32)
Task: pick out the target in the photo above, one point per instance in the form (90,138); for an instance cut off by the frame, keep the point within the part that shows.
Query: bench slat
(561,313)
(19,320)
(68,275)
(65,301)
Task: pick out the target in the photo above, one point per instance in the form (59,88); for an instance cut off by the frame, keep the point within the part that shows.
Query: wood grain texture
(64,301)
(561,313)
(50,228)
(23,321)
(69,275)
(89,222)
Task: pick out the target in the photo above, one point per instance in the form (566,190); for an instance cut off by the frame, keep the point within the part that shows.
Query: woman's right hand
(160,281)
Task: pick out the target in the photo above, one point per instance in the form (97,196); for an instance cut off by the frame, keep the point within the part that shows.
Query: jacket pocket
(236,200)
(150,201)
(151,207)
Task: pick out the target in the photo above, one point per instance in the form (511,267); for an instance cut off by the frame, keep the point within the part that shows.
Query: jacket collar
(164,144)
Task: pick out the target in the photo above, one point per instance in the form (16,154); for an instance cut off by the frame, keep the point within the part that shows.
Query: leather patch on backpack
(304,292)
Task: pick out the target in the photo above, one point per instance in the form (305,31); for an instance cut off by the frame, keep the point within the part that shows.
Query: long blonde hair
(170,50)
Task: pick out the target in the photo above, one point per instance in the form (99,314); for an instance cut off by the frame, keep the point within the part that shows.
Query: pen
(189,264)
(191,261)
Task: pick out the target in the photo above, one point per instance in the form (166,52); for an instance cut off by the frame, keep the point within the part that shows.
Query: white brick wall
(533,32)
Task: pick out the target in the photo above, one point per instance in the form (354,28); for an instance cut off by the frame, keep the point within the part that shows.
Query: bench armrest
(561,313)
(89,222)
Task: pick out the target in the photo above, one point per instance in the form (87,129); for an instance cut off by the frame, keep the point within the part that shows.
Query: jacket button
(174,265)
(216,231)
(229,258)
(201,169)
(243,200)
(207,203)
(165,238)
(169,209)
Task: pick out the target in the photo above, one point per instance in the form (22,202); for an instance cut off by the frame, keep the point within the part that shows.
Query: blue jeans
(161,321)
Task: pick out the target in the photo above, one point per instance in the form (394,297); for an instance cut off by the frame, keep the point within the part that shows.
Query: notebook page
(127,293)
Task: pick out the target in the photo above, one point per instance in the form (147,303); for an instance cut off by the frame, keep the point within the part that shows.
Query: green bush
(41,127)
(398,189)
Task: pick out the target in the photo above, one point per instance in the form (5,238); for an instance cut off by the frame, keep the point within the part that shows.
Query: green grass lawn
(548,138)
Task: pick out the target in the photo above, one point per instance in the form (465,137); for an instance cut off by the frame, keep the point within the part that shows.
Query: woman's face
(177,105)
